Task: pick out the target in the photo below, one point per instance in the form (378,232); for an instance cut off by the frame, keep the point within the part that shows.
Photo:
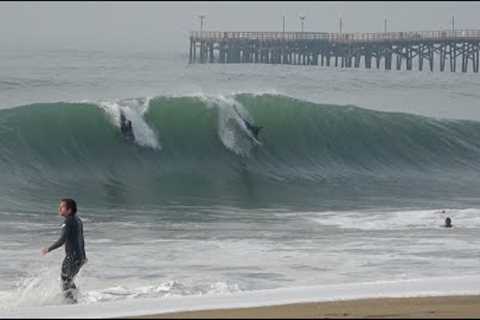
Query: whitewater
(344,198)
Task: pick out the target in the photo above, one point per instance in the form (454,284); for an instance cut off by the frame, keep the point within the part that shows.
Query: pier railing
(347,50)
(446,35)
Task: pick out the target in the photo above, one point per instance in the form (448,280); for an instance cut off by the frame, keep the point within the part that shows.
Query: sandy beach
(417,307)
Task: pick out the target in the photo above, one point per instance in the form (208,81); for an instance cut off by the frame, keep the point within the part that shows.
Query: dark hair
(448,222)
(71,204)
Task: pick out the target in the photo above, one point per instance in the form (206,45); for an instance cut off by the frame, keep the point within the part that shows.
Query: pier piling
(347,50)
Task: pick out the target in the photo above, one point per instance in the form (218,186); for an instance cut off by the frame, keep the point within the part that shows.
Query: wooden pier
(402,50)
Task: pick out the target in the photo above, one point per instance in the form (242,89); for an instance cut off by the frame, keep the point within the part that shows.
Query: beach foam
(467,285)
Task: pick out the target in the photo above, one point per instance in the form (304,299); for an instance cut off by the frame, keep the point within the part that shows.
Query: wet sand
(419,307)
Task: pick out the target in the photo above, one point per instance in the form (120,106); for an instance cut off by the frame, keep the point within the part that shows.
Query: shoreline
(438,297)
(451,306)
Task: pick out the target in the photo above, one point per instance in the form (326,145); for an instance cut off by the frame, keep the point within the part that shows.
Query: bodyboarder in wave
(126,127)
(254,130)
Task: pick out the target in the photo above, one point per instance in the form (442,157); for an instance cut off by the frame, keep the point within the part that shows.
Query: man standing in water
(72,237)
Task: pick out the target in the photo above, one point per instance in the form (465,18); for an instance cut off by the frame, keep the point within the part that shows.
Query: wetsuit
(126,128)
(75,257)
(129,131)
(253,128)
(123,124)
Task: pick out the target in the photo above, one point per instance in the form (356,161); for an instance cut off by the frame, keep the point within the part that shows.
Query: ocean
(347,185)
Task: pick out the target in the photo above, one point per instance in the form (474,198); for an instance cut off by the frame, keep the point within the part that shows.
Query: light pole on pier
(453,24)
(385,25)
(302,19)
(202,17)
(340,25)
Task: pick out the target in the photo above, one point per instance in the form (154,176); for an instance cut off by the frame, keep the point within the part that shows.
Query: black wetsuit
(75,257)
(126,128)
(255,130)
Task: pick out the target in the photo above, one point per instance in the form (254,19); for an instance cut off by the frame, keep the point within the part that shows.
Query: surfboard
(249,134)
(244,127)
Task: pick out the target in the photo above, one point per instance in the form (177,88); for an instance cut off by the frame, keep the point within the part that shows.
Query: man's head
(448,222)
(67,207)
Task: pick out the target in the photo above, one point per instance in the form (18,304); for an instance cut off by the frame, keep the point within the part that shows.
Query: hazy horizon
(165,26)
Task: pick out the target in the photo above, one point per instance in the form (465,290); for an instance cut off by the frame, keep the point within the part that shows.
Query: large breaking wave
(195,147)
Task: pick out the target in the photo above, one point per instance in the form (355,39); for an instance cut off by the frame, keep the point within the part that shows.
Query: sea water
(348,186)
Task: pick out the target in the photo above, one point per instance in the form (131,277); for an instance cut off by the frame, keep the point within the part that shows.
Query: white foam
(219,93)
(397,220)
(40,288)
(134,110)
(166,289)
(466,285)
(231,129)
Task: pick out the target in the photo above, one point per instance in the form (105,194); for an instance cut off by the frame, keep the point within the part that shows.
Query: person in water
(126,127)
(255,130)
(123,123)
(72,238)
(448,222)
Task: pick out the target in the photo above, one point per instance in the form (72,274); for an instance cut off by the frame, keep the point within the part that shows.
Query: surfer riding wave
(254,130)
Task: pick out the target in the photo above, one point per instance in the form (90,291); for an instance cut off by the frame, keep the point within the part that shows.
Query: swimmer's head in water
(448,222)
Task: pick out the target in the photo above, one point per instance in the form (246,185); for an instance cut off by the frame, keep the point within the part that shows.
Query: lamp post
(302,19)
(202,17)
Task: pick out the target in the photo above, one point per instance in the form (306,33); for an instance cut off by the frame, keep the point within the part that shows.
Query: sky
(166,25)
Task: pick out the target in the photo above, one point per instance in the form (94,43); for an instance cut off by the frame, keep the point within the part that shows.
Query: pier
(430,50)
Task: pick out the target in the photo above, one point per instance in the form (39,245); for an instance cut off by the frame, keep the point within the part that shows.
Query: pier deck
(346,50)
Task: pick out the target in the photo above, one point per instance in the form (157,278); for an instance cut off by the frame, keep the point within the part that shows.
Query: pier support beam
(347,50)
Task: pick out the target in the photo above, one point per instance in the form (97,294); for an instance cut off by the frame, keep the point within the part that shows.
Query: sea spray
(133,110)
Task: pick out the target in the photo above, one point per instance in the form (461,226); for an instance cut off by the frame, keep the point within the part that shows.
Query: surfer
(129,131)
(72,237)
(255,130)
(448,222)
(126,127)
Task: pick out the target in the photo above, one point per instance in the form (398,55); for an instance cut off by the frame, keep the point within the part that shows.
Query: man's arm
(59,242)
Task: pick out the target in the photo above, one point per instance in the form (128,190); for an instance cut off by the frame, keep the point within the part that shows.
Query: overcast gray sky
(160,25)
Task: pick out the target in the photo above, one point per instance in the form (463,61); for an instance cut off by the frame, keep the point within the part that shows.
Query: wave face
(196,148)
